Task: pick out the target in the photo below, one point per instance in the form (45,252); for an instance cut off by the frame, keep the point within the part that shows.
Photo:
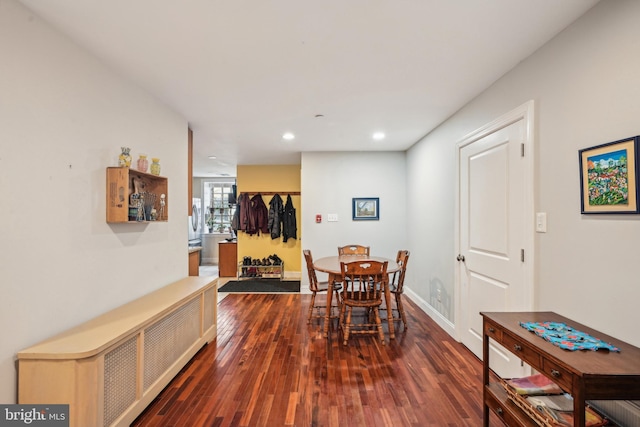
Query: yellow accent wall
(281,179)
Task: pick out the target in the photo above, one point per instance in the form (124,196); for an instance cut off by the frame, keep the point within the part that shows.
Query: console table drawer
(495,397)
(522,350)
(493,331)
(558,374)
(496,407)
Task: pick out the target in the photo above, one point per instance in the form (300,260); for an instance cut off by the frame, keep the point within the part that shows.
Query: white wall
(586,88)
(430,218)
(63,118)
(329,182)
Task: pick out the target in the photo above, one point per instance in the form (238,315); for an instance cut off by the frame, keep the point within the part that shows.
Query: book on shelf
(534,385)
(540,397)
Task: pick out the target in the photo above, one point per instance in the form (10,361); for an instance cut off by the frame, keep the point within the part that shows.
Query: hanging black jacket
(289,226)
(276,212)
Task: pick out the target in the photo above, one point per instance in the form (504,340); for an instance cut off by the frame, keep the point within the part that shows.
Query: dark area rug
(261,285)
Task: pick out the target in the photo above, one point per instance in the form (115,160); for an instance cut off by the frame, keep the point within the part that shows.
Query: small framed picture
(366,208)
(609,178)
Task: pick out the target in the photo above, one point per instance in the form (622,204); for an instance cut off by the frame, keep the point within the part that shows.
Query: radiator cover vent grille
(119,379)
(209,308)
(169,338)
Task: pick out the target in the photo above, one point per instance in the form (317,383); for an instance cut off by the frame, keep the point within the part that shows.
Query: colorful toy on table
(566,337)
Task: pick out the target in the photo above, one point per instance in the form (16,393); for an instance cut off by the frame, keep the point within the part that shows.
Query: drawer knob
(492,330)
(499,411)
(517,347)
(555,373)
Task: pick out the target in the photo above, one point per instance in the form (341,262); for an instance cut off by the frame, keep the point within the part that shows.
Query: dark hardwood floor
(268,367)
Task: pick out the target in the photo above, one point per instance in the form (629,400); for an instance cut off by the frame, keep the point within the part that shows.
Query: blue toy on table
(566,337)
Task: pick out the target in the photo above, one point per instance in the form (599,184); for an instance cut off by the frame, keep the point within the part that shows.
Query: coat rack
(272,193)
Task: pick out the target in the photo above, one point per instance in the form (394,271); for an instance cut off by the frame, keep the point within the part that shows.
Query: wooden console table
(586,375)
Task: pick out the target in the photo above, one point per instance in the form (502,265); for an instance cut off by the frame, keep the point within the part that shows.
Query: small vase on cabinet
(143,163)
(155,166)
(124,160)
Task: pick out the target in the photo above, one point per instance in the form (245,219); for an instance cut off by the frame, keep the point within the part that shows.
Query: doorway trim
(526,113)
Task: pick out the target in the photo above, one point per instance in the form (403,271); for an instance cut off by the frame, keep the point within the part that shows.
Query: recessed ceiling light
(288,136)
(212,157)
(378,136)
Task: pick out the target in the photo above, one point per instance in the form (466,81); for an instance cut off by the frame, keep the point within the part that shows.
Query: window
(218,212)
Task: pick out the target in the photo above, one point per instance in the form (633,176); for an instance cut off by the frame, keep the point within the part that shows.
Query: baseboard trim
(437,317)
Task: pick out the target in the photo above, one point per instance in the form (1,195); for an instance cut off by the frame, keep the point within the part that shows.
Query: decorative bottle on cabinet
(155,166)
(125,158)
(143,163)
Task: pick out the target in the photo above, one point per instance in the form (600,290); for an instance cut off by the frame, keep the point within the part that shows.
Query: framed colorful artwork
(609,178)
(366,208)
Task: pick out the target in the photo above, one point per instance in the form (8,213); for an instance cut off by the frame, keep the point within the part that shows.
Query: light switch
(541,222)
(332,217)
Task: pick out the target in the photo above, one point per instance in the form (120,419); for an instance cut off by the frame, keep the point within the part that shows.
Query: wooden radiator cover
(110,368)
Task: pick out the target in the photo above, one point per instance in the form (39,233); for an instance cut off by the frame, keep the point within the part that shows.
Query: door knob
(460,257)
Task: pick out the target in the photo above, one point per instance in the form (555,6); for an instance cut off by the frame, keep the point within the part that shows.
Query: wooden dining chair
(353,250)
(363,286)
(396,286)
(316,287)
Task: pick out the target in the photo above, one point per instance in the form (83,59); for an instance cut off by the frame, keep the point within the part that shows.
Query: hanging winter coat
(289,226)
(276,211)
(243,214)
(258,216)
(235,221)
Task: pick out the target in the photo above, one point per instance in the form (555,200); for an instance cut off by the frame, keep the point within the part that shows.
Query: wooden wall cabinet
(121,183)
(586,375)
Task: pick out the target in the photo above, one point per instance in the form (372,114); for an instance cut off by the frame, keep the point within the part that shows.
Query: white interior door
(495,229)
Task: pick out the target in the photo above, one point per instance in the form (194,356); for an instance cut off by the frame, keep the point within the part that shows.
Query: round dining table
(331,266)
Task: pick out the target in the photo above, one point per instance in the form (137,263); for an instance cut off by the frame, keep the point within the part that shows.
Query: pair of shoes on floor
(270,260)
(275,259)
(249,272)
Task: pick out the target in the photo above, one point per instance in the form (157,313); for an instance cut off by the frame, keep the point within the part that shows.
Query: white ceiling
(243,72)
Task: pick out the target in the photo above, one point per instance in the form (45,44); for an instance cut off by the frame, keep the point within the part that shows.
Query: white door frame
(523,112)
